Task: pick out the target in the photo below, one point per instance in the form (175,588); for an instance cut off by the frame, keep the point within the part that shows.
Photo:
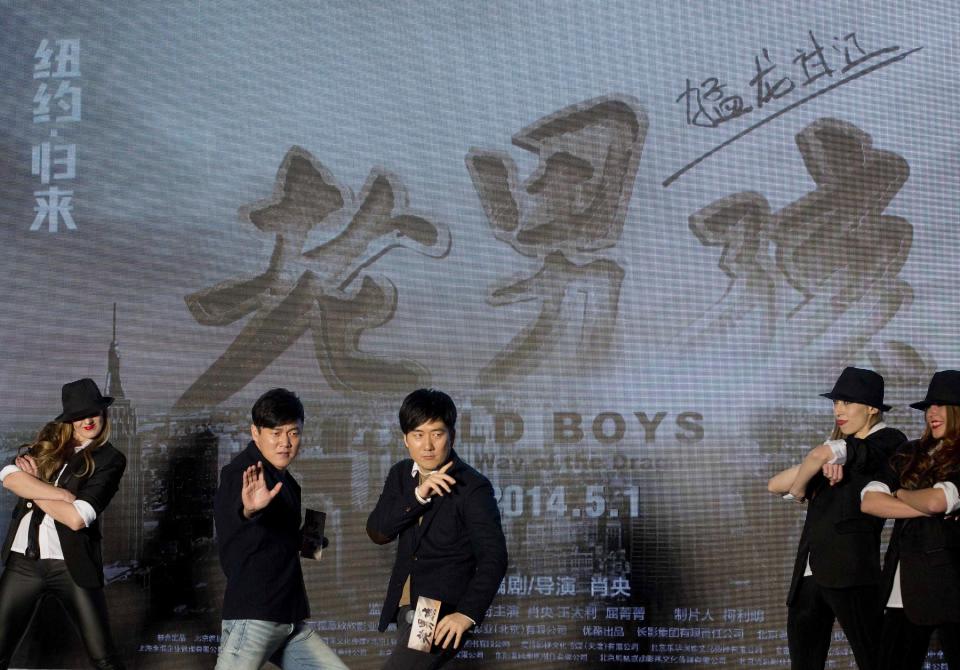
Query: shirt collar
(879,426)
(417,470)
(82,446)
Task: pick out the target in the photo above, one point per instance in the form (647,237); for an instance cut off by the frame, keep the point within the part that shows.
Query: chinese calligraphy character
(740,224)
(52,205)
(544,585)
(766,91)
(599,586)
(67,60)
(517,584)
(819,252)
(326,291)
(424,624)
(724,107)
(816,235)
(852,60)
(68,99)
(814,63)
(571,208)
(44,161)
(620,586)
(424,631)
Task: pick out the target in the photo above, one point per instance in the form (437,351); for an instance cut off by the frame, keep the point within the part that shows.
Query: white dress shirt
(839,449)
(413,473)
(49,540)
(953,505)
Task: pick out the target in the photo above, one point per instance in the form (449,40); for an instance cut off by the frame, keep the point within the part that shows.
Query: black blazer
(260,556)
(457,554)
(81,548)
(841,542)
(928,552)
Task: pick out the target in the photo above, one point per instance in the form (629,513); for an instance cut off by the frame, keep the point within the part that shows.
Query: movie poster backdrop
(634,241)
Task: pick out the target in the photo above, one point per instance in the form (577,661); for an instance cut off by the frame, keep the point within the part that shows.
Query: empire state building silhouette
(123,522)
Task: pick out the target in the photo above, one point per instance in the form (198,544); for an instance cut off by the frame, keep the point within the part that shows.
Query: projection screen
(633,241)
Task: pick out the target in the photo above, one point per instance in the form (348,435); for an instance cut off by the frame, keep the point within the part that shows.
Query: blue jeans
(246,644)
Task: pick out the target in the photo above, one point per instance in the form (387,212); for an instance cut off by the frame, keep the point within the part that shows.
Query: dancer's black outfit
(76,580)
(837,571)
(921,584)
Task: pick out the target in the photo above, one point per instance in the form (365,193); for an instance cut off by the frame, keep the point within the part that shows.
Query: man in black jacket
(450,545)
(257,512)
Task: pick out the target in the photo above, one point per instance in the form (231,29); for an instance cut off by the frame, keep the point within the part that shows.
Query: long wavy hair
(53,446)
(932,460)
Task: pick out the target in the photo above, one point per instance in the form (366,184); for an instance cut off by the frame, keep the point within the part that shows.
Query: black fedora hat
(859,385)
(944,389)
(82,399)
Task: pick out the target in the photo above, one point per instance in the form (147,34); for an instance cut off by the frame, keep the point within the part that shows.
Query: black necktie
(33,533)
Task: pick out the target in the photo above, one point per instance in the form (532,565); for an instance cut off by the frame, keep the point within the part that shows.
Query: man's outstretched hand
(255,494)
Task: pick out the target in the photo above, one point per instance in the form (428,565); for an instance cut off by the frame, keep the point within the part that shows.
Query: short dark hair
(277,407)
(425,405)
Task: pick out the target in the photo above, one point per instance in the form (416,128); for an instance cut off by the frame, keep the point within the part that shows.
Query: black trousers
(905,643)
(23,585)
(404,658)
(810,624)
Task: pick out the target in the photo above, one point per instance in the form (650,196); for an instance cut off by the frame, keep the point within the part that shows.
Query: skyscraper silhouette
(123,523)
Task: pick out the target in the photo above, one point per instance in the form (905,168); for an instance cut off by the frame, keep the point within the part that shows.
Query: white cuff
(877,487)
(86,512)
(839,449)
(422,501)
(8,470)
(953,496)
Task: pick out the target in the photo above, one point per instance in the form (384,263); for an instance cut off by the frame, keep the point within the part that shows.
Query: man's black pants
(404,658)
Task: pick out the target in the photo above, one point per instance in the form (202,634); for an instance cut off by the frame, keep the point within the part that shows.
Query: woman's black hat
(82,399)
(944,389)
(859,385)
